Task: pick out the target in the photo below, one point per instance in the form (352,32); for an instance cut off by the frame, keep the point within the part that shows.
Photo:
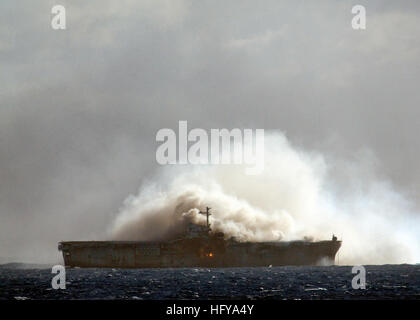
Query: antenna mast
(207,213)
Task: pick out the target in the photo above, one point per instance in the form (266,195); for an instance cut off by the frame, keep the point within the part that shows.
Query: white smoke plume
(300,194)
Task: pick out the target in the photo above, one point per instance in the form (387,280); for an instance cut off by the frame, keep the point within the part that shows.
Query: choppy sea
(327,282)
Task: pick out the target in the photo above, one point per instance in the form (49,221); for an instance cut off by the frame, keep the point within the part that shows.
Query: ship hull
(196,253)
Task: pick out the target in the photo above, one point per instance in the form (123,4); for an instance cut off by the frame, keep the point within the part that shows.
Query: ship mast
(207,213)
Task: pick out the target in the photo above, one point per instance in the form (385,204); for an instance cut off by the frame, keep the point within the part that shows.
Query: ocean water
(329,282)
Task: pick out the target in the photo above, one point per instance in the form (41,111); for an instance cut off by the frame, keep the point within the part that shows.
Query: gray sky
(80,108)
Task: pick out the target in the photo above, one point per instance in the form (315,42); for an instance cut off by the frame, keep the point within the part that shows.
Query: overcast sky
(80,108)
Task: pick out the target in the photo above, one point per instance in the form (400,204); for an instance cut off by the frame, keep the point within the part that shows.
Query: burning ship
(198,246)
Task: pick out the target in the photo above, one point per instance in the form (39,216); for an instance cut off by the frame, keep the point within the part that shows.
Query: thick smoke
(300,194)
